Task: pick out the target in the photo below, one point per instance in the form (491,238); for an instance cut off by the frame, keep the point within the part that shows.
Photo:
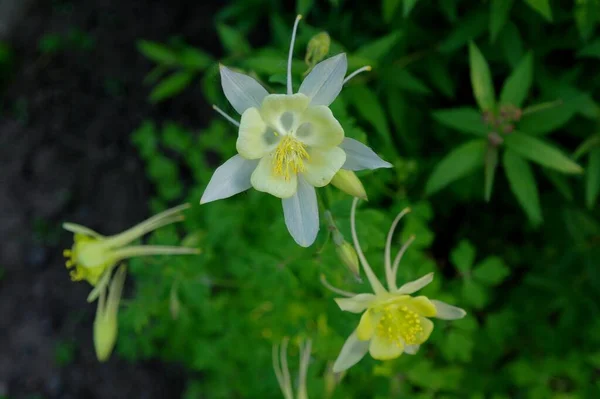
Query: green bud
(317,49)
(348,182)
(348,256)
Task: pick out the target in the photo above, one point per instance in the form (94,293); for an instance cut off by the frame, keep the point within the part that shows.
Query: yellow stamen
(289,157)
(399,325)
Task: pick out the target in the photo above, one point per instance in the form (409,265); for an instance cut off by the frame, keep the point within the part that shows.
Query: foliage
(517,79)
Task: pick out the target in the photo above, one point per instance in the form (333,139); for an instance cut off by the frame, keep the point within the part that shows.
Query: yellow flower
(289,144)
(393,321)
(93,255)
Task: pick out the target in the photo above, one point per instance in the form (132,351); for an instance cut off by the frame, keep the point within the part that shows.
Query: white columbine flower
(288,144)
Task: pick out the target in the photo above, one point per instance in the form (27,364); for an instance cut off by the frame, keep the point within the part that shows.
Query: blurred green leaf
(499,11)
(538,151)
(194,58)
(50,43)
(592,187)
(304,6)
(157,52)
(474,293)
(542,7)
(546,120)
(408,6)
(463,256)
(458,163)
(368,106)
(145,139)
(587,14)
(440,77)
(481,79)
(591,50)
(491,271)
(379,48)
(467,120)
(511,43)
(388,9)
(471,27)
(517,86)
(403,79)
(490,166)
(233,40)
(523,185)
(560,182)
(171,86)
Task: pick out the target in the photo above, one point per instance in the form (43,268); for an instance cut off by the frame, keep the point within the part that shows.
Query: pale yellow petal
(255,139)
(382,349)
(356,304)
(263,179)
(423,306)
(366,326)
(323,165)
(319,128)
(427,329)
(282,112)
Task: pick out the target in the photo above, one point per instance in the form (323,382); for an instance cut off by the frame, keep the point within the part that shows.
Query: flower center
(88,258)
(289,157)
(400,325)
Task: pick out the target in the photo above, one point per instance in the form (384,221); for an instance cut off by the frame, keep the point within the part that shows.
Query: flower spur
(288,144)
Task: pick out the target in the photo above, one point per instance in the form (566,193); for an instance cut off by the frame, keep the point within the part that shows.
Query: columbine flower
(282,372)
(93,256)
(288,144)
(392,321)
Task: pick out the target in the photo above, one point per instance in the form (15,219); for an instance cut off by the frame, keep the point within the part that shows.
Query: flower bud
(317,48)
(348,182)
(348,256)
(105,323)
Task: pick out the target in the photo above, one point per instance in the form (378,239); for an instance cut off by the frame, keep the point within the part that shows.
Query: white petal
(229,179)
(325,81)
(323,165)
(359,156)
(241,90)
(352,352)
(415,285)
(356,304)
(264,179)
(302,214)
(447,312)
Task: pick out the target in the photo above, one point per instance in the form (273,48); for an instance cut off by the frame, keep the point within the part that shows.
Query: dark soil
(65,155)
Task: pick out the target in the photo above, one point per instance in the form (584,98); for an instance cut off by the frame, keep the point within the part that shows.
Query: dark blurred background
(73,96)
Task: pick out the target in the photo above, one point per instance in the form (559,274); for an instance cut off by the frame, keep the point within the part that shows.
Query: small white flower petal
(447,312)
(352,352)
(229,179)
(360,157)
(415,285)
(325,81)
(319,128)
(241,90)
(301,214)
(323,165)
(264,179)
(255,139)
(411,349)
(356,304)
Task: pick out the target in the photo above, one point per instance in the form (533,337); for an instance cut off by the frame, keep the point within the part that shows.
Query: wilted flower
(288,144)
(282,371)
(106,322)
(93,256)
(392,321)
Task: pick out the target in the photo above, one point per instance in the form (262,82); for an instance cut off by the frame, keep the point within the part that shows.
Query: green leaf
(490,166)
(517,86)
(560,182)
(499,11)
(481,79)
(304,6)
(470,28)
(463,256)
(538,151)
(511,44)
(591,50)
(233,41)
(157,52)
(460,162)
(523,185)
(592,187)
(379,48)
(542,7)
(440,76)
(194,58)
(474,294)
(587,14)
(145,139)
(464,119)
(368,106)
(546,120)
(171,86)
(388,10)
(408,6)
(491,271)
(403,79)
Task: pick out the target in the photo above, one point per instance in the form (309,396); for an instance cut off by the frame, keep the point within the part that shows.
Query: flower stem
(290,90)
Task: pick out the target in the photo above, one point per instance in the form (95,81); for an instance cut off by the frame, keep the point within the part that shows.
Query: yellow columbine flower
(393,321)
(93,255)
(282,371)
(288,144)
